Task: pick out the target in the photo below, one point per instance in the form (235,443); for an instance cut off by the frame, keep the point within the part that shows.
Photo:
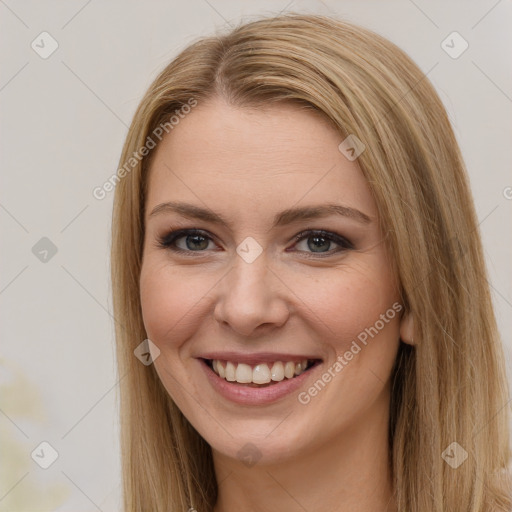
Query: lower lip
(246,395)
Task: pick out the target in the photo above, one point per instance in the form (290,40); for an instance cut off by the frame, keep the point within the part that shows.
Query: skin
(248,165)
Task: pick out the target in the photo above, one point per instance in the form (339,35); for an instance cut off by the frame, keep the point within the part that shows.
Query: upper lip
(254,358)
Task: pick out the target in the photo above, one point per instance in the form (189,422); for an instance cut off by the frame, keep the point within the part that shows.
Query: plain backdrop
(63,120)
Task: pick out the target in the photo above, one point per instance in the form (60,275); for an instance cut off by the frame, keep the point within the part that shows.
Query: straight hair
(451,387)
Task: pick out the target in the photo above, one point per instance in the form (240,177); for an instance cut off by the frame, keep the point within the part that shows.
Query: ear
(407,328)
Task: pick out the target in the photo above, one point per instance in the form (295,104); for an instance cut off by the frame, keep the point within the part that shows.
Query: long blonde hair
(451,387)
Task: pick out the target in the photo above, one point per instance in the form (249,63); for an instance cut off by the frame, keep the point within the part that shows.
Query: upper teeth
(262,373)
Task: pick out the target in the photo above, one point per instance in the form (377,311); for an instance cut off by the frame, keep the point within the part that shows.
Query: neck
(349,473)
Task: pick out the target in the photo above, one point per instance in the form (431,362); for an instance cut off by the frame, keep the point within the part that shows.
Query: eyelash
(167,241)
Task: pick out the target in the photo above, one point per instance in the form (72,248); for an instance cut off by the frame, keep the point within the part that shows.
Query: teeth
(289,369)
(277,372)
(230,372)
(300,367)
(262,373)
(243,373)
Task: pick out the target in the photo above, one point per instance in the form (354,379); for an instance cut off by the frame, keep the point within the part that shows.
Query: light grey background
(63,120)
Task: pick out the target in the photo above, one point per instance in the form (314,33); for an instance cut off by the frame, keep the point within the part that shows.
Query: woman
(367,376)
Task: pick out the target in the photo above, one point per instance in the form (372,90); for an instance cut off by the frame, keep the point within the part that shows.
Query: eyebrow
(281,219)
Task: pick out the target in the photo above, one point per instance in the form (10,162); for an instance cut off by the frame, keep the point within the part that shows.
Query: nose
(251,298)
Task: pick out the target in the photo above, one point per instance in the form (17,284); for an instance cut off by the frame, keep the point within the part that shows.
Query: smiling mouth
(262,374)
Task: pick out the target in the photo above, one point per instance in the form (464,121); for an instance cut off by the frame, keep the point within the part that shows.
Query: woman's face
(284,264)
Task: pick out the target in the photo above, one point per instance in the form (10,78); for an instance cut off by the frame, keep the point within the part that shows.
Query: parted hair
(451,385)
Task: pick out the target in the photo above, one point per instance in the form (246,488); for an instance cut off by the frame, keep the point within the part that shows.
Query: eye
(318,240)
(193,240)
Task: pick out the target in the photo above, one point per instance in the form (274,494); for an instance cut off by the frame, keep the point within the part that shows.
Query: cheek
(346,301)
(358,316)
(168,301)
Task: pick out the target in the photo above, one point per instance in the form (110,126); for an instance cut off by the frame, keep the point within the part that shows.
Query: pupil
(197,239)
(314,246)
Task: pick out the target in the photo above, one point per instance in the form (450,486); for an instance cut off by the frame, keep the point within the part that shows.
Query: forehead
(241,159)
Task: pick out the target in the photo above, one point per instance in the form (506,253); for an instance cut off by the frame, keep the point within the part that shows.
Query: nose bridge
(251,273)
(249,296)
(248,281)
